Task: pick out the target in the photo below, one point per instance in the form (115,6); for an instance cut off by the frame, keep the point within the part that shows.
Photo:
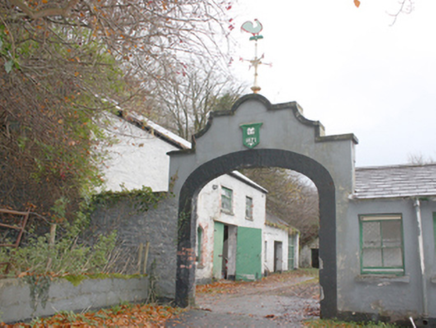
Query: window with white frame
(226,199)
(381,244)
(249,208)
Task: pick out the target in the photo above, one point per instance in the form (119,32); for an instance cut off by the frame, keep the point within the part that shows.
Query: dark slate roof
(395,181)
(271,218)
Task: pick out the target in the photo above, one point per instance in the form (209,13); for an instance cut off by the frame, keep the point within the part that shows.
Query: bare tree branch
(46,11)
(60,58)
(405,7)
(291,197)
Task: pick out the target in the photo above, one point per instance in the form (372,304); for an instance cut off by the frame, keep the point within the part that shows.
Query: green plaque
(250,134)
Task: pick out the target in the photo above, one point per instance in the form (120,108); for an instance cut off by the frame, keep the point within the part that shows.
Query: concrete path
(269,304)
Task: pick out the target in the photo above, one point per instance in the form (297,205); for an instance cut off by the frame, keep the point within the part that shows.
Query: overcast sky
(350,70)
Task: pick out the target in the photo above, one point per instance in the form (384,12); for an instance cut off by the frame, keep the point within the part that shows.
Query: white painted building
(139,155)
(280,245)
(231,230)
(228,205)
(309,255)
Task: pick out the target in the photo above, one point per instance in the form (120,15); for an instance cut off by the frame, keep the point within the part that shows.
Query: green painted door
(248,254)
(291,252)
(218,243)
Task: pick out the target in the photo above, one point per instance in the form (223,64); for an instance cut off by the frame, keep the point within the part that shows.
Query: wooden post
(141,246)
(51,243)
(52,234)
(147,247)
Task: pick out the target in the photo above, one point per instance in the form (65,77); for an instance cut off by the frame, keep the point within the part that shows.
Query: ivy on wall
(290,230)
(143,199)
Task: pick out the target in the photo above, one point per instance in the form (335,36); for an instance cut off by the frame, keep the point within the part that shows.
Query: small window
(249,208)
(381,244)
(199,244)
(226,199)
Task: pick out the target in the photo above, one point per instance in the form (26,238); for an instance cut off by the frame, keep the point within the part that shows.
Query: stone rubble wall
(158,226)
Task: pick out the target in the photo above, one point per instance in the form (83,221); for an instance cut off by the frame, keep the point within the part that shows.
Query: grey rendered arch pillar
(287,140)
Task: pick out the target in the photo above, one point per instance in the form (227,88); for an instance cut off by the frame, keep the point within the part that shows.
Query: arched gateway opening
(285,139)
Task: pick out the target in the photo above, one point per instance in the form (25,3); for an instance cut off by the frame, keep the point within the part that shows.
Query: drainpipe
(417,206)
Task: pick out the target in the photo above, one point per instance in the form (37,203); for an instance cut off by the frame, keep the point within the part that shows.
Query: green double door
(248,252)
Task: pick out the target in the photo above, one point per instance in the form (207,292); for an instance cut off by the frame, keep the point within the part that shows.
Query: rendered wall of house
(428,211)
(137,159)
(395,297)
(209,211)
(296,245)
(306,254)
(272,234)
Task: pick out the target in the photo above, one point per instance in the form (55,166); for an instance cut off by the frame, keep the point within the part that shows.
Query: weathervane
(254,30)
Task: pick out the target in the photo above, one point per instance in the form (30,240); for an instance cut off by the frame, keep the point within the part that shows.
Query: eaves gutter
(422,197)
(248,182)
(151,130)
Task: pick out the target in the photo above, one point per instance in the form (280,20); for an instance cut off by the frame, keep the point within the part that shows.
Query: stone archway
(327,161)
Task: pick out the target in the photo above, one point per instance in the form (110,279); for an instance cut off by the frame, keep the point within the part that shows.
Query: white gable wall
(209,210)
(210,199)
(138,158)
(272,234)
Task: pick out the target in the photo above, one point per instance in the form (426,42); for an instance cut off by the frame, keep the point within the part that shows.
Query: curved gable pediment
(280,126)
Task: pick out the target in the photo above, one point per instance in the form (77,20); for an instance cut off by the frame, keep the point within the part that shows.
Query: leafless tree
(59,61)
(404,7)
(187,98)
(420,159)
(292,197)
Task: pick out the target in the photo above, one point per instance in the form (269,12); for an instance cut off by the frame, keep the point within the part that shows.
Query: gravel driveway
(280,300)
